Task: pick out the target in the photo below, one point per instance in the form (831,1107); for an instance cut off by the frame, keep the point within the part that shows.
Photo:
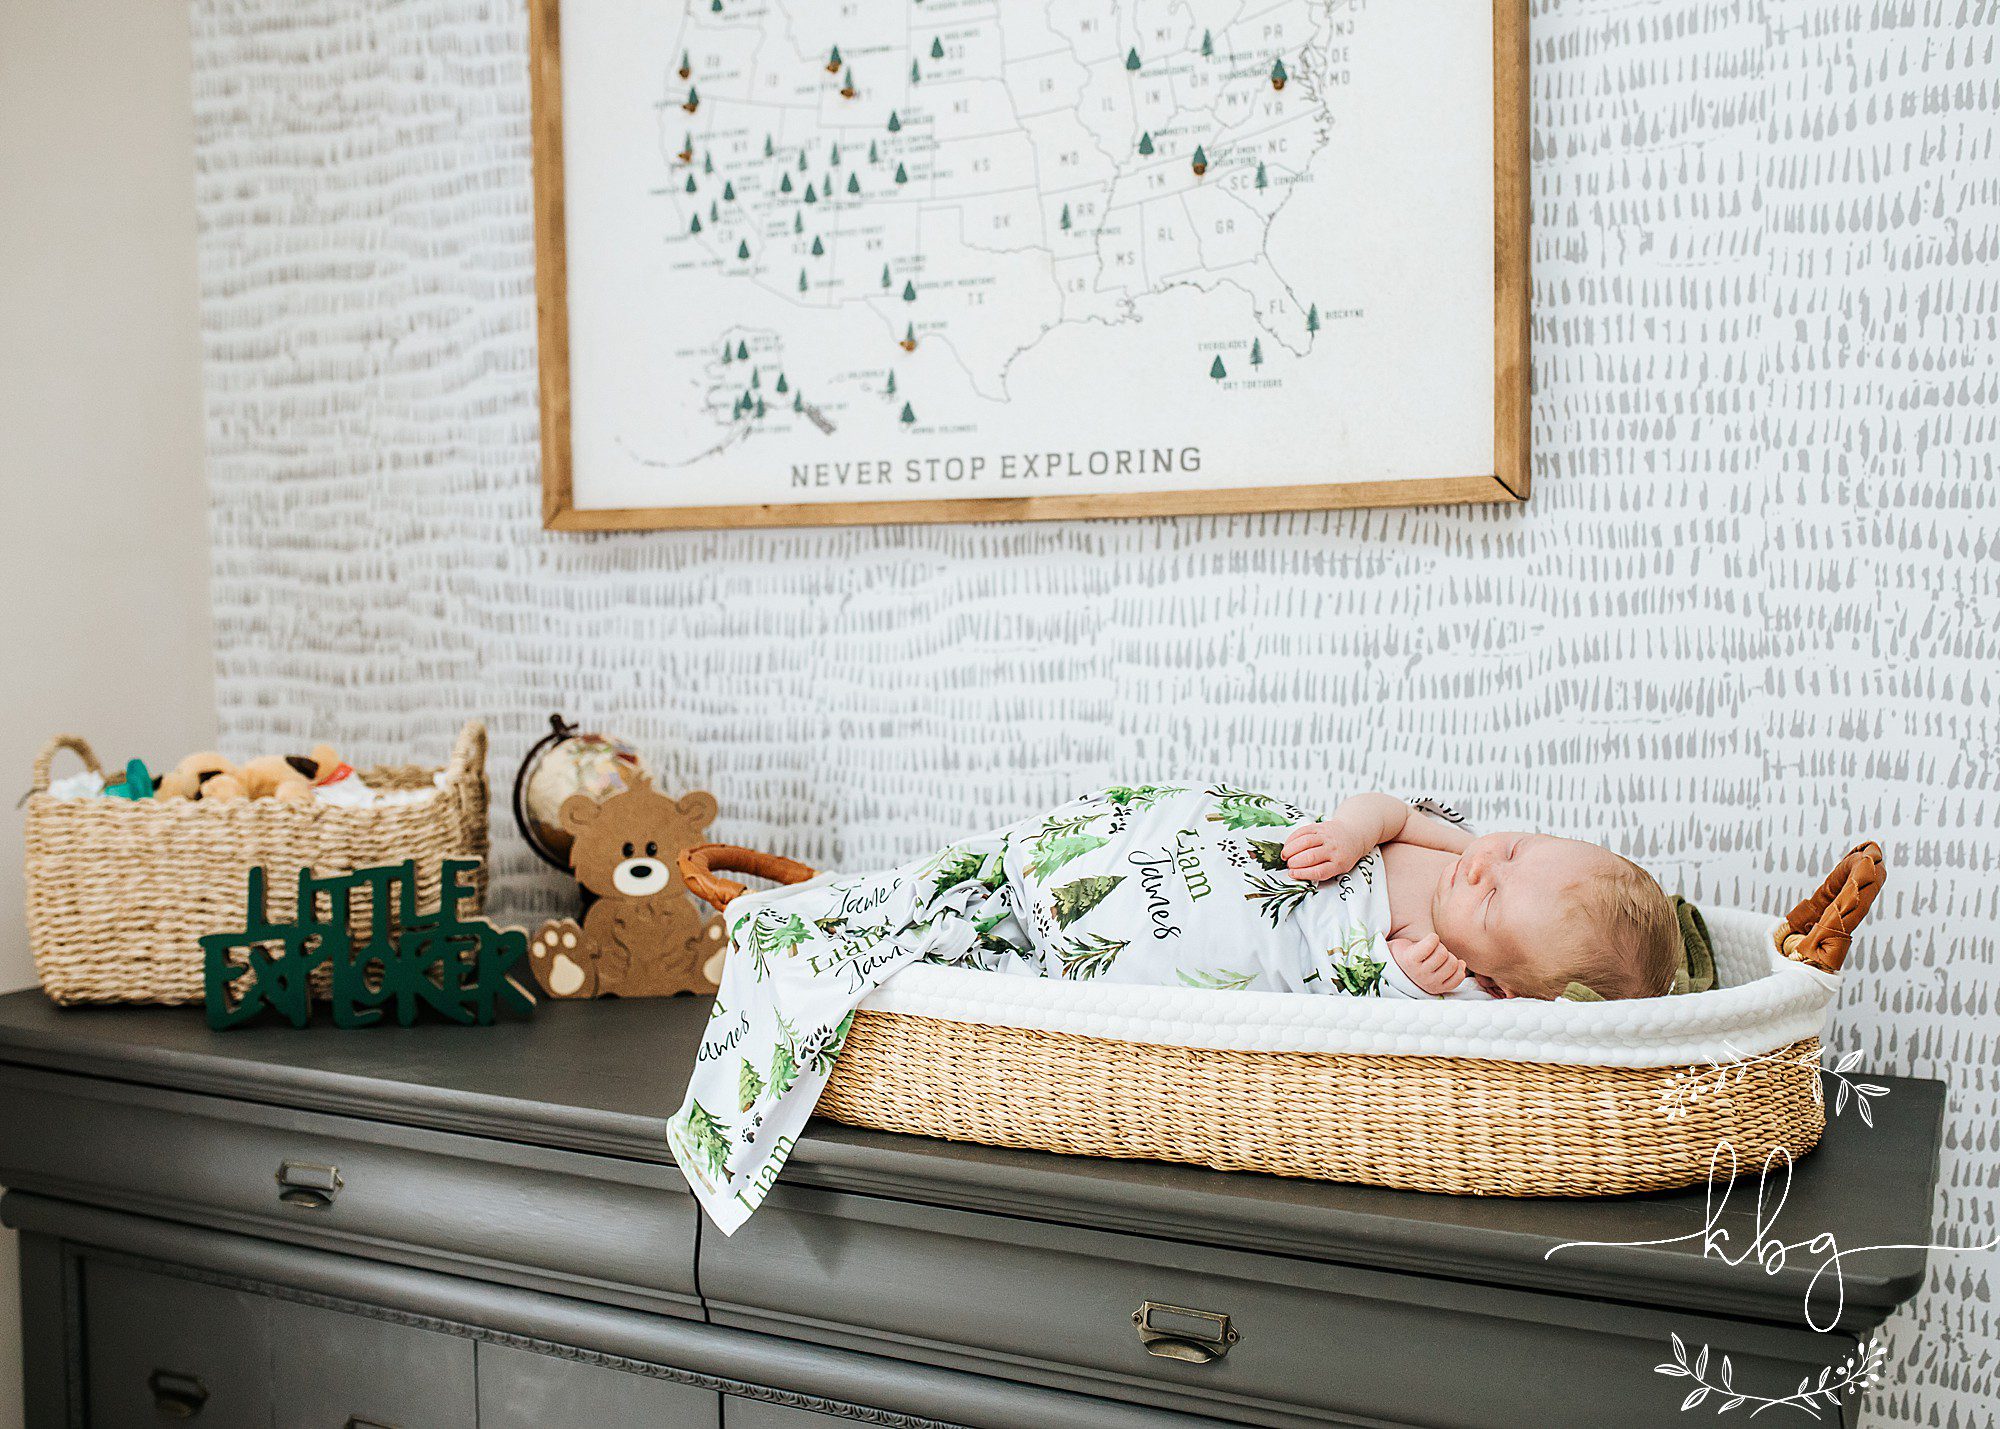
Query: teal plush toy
(135,783)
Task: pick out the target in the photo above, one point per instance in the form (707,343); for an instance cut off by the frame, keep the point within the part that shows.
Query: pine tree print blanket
(1158,884)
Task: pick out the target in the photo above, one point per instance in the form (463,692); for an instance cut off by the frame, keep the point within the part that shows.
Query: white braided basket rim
(1763,1003)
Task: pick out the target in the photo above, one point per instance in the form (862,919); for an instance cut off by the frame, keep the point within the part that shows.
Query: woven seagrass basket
(1471,1126)
(119,891)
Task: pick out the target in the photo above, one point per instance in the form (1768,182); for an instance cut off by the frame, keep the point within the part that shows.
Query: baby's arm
(1316,852)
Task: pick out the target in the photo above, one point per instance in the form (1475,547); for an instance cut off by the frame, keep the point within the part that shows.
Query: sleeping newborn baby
(1512,914)
(1224,888)
(1210,887)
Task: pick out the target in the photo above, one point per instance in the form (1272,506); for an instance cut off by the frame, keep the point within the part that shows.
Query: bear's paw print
(559,962)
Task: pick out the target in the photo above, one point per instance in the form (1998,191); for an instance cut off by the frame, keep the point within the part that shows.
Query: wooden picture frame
(1504,480)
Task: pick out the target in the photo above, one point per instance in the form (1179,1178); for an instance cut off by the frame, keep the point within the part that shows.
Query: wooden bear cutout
(644,936)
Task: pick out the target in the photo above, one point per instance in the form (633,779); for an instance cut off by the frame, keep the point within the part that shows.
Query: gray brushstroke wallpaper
(1751,614)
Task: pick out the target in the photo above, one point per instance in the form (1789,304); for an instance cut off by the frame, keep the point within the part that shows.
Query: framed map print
(844,261)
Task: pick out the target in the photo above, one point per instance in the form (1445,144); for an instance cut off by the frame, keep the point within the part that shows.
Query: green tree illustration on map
(728,191)
(1312,319)
(854,183)
(781,385)
(1207,45)
(1217,370)
(811,197)
(819,249)
(1065,218)
(742,347)
(937,48)
(909,417)
(802,280)
(902,174)
(1146,142)
(743,248)
(1132,59)
(690,188)
(694,224)
(1256,352)
(1073,900)
(890,389)
(1278,75)
(785,184)
(1262,181)
(909,291)
(895,123)
(749,1086)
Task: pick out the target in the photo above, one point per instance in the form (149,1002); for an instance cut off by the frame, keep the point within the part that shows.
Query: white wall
(104,544)
(1752,613)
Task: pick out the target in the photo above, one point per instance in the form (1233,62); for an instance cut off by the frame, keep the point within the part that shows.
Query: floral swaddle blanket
(1156,884)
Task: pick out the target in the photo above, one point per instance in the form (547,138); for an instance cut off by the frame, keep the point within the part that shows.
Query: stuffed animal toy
(286,777)
(290,777)
(644,936)
(201,776)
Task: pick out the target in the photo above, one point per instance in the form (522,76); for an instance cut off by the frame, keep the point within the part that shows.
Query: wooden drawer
(1312,1341)
(330,1368)
(157,1348)
(573,1222)
(519,1389)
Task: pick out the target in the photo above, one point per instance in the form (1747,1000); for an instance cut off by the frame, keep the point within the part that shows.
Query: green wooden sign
(400,960)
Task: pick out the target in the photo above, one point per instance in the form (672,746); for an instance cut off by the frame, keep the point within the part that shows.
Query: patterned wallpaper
(1752,613)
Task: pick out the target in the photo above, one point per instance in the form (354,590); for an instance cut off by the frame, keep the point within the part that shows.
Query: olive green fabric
(1696,972)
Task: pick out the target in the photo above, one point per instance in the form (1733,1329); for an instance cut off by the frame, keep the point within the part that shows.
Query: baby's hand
(1317,852)
(1430,965)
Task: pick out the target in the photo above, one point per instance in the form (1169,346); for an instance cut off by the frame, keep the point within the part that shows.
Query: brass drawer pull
(176,1395)
(308,1187)
(1173,1332)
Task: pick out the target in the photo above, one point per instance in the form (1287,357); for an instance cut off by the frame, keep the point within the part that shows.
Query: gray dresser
(442,1227)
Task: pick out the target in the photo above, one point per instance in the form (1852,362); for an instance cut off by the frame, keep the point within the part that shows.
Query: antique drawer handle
(175,1395)
(309,1187)
(1175,1333)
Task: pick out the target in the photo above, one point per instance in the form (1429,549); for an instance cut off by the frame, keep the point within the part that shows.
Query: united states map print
(936,249)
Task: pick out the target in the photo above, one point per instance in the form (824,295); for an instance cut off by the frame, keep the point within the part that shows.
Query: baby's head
(1530,913)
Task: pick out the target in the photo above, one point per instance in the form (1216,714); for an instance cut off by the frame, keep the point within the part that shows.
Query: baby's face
(1503,907)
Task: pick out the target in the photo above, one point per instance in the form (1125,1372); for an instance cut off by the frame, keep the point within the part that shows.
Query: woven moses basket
(119,891)
(1517,1098)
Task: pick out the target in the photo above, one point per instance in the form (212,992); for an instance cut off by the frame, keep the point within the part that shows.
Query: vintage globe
(568,762)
